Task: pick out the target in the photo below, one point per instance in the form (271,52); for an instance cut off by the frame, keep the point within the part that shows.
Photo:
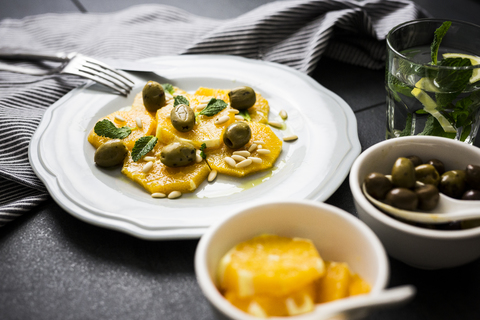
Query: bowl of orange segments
(265,262)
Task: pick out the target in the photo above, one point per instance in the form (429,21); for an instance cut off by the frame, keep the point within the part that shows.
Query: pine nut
(127,108)
(255,159)
(234,111)
(238,158)
(147,167)
(198,158)
(263,151)
(222,120)
(168,95)
(119,118)
(243,153)
(174,194)
(212,175)
(240,118)
(244,163)
(252,148)
(290,138)
(148,158)
(230,161)
(205,101)
(259,147)
(139,122)
(283,114)
(201,106)
(258,142)
(158,195)
(275,124)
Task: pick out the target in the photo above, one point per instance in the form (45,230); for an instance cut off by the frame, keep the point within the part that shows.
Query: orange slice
(271,265)
(260,132)
(334,285)
(165,179)
(204,131)
(339,282)
(297,302)
(130,115)
(358,286)
(258,112)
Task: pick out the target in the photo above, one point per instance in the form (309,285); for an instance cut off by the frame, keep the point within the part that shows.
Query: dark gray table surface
(54,266)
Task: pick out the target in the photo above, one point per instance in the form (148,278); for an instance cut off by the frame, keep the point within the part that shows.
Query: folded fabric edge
(17,199)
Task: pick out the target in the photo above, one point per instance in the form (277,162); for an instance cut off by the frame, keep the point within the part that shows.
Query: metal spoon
(447,210)
(362,303)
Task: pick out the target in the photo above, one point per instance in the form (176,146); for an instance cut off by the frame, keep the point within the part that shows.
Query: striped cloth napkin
(296,33)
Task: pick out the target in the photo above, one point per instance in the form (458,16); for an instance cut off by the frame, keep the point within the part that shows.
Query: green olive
(471,195)
(402,198)
(242,98)
(427,174)
(377,185)
(439,166)
(452,183)
(237,135)
(111,153)
(182,118)
(403,173)
(178,154)
(473,176)
(416,160)
(428,197)
(153,96)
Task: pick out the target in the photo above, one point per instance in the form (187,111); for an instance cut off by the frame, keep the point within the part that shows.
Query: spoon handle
(386,298)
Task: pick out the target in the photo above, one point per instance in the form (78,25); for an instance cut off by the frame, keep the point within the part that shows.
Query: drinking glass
(428,99)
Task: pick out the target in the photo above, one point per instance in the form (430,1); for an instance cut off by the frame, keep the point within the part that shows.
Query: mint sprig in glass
(433,79)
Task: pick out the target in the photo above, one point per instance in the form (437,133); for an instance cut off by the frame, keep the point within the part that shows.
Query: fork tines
(101,73)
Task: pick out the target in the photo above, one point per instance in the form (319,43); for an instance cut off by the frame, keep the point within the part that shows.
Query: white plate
(312,167)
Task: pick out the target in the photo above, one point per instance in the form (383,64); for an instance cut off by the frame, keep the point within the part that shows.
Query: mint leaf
(213,107)
(452,81)
(408,126)
(465,109)
(465,132)
(427,130)
(169,88)
(444,100)
(202,149)
(106,128)
(143,146)
(434,128)
(180,100)
(245,115)
(437,39)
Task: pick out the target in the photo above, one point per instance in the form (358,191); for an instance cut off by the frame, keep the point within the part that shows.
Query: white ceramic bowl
(338,236)
(419,247)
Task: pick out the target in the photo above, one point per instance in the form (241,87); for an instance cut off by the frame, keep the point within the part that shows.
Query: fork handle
(27,54)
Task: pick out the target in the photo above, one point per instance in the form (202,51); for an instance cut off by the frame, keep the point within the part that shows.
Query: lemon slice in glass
(429,104)
(473,59)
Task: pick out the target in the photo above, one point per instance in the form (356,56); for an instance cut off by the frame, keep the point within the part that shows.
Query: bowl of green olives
(450,168)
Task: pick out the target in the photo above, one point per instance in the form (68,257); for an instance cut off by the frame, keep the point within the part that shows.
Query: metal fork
(71,63)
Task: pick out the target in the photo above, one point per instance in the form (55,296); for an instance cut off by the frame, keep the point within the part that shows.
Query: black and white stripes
(296,33)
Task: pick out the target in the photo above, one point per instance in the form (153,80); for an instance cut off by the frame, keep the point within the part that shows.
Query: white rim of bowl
(218,300)
(392,222)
